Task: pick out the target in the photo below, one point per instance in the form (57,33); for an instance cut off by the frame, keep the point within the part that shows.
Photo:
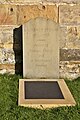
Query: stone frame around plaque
(46,103)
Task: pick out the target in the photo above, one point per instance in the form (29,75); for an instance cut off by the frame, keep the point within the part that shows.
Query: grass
(9,109)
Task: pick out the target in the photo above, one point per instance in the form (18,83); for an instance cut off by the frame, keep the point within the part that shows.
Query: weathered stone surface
(71,37)
(25,1)
(8,14)
(69,70)
(18,49)
(7,68)
(7,46)
(64,1)
(69,15)
(53,1)
(6,50)
(69,54)
(62,42)
(6,35)
(7,56)
(20,1)
(33,11)
(41,48)
(70,1)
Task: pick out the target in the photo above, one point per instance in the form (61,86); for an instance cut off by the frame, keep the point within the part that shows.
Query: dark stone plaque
(42,90)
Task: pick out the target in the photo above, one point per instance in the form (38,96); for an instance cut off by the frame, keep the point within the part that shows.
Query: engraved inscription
(41,49)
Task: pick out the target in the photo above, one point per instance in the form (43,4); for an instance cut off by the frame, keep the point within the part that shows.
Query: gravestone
(42,88)
(41,49)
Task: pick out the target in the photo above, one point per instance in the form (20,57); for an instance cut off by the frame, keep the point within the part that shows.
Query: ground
(9,109)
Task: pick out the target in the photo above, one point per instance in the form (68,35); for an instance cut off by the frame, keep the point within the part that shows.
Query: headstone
(41,48)
(41,60)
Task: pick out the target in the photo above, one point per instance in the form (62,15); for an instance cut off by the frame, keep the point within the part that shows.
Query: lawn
(9,109)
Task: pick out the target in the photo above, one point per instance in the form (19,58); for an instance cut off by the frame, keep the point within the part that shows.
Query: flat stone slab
(44,93)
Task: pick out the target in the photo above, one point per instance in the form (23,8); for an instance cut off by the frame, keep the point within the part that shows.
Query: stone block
(71,37)
(69,69)
(1,56)
(37,1)
(8,14)
(27,12)
(70,1)
(8,46)
(69,15)
(6,36)
(52,1)
(7,68)
(69,54)
(27,1)
(7,56)
(63,1)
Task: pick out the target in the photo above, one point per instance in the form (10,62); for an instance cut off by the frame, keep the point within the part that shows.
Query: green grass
(9,109)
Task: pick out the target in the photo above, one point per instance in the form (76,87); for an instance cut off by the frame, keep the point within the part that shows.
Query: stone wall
(14,13)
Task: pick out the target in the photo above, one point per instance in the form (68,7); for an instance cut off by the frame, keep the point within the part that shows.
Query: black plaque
(42,90)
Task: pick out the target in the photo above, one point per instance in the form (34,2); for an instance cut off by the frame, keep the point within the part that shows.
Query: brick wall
(14,13)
